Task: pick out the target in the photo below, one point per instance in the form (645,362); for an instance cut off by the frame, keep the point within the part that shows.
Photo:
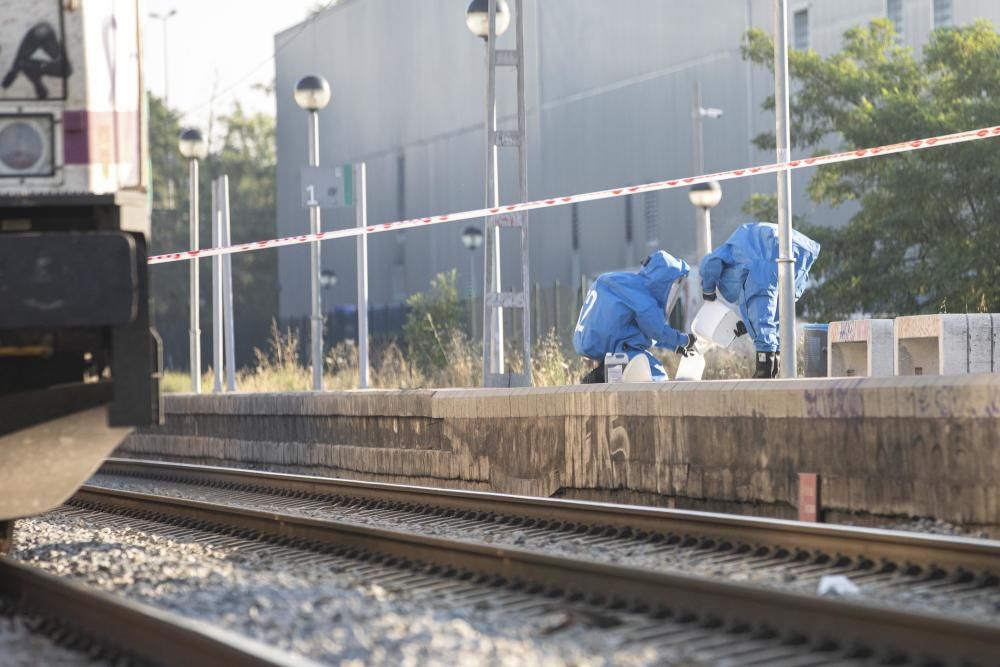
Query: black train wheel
(6,536)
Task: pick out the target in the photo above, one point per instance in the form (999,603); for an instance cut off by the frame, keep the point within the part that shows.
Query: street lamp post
(192,146)
(698,113)
(782,135)
(327,278)
(163,18)
(704,197)
(472,239)
(312,93)
(477,18)
(489,19)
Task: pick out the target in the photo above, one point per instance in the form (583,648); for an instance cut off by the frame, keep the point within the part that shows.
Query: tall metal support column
(316,337)
(194,330)
(217,346)
(495,373)
(361,213)
(228,326)
(703,220)
(782,133)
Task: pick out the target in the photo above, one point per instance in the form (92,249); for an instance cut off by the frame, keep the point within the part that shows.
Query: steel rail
(878,545)
(851,626)
(152,635)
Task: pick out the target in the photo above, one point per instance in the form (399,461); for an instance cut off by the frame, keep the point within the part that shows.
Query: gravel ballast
(289,600)
(22,646)
(803,578)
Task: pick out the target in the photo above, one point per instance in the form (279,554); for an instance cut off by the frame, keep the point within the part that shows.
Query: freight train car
(78,359)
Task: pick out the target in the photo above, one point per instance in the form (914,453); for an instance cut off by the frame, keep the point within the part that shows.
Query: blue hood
(659,271)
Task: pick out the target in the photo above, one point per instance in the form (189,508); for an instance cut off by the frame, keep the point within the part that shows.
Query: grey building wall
(609,97)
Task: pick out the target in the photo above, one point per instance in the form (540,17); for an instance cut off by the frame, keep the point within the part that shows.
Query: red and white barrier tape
(859,154)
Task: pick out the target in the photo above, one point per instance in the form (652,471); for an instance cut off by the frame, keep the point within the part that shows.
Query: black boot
(595,376)
(767,365)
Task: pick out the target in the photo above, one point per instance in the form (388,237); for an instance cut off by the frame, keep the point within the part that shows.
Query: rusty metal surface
(854,629)
(148,635)
(973,555)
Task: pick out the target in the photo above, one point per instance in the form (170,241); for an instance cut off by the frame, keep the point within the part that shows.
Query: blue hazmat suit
(624,312)
(745,271)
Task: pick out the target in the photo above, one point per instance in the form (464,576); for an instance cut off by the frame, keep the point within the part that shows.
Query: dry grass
(553,364)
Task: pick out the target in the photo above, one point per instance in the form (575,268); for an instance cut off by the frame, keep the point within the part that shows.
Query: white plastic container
(614,366)
(716,322)
(691,368)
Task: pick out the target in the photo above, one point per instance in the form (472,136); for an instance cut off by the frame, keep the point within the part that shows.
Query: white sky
(223,45)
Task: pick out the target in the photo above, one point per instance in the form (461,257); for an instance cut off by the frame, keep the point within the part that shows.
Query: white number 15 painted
(588,305)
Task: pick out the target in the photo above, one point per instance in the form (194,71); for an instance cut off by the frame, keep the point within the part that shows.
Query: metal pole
(697,133)
(166,80)
(228,327)
(536,310)
(194,319)
(216,291)
(315,264)
(472,292)
(555,308)
(703,231)
(361,211)
(522,155)
(493,357)
(782,132)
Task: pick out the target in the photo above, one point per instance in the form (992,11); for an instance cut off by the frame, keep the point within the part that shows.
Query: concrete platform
(884,448)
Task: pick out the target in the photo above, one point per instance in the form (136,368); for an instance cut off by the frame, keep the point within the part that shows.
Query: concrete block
(860,348)
(945,344)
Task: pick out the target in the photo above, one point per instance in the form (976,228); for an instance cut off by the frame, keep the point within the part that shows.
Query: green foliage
(432,323)
(169,171)
(925,232)
(246,152)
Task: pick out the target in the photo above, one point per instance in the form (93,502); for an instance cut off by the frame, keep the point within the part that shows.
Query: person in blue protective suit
(744,270)
(627,312)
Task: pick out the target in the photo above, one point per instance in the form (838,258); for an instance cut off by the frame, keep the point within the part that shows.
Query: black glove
(741,329)
(688,349)
(708,296)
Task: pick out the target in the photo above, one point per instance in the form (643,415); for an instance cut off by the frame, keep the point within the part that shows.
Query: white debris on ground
(313,611)
(837,584)
(22,647)
(788,576)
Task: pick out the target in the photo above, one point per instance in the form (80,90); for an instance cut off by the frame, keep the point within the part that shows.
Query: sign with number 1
(327,187)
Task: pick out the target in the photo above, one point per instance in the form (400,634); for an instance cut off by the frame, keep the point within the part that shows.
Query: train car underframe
(79,363)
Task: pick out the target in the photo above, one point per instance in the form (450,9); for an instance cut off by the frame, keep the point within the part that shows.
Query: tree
(169,198)
(926,233)
(432,321)
(247,154)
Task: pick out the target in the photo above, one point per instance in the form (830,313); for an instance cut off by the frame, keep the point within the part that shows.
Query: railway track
(725,622)
(910,570)
(119,631)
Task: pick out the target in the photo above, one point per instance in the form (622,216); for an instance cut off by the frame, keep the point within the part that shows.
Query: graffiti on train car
(33,60)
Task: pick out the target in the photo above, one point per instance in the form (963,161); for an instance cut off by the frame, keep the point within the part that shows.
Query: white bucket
(691,368)
(715,322)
